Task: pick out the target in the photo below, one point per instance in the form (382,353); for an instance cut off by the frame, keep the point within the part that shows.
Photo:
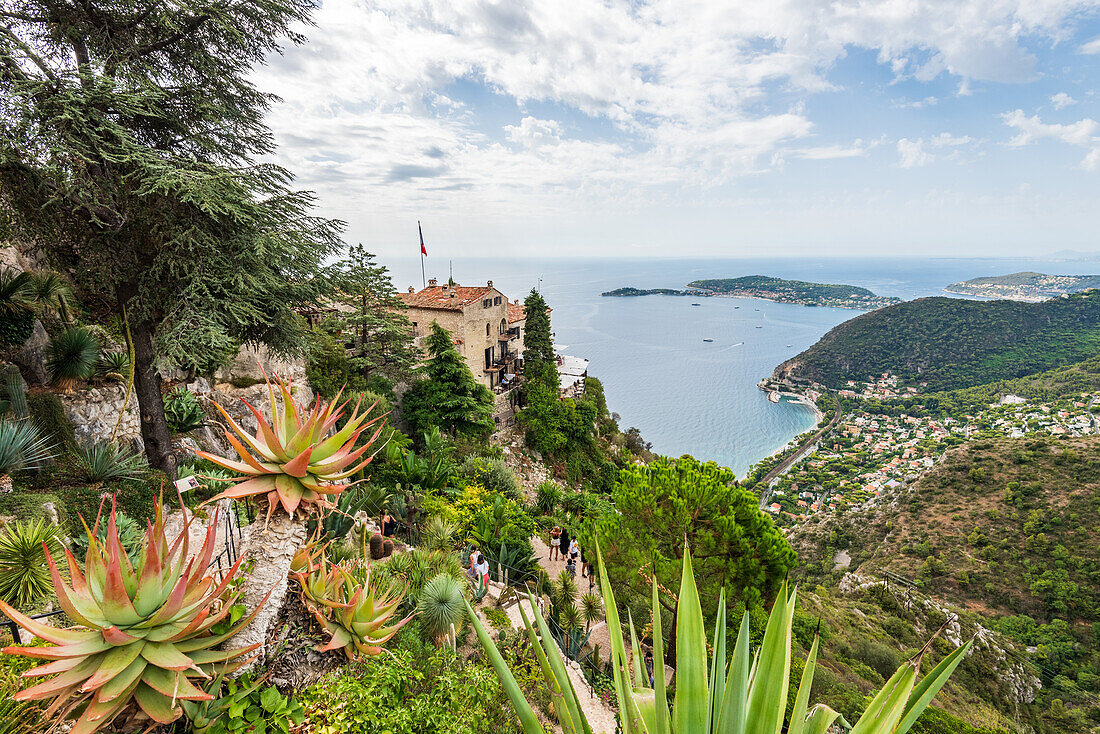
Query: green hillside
(798,288)
(1007,530)
(951,343)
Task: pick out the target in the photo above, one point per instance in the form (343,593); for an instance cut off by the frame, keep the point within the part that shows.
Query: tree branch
(31,55)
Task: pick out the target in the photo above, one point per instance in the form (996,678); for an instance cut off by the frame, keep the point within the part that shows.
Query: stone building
(487,328)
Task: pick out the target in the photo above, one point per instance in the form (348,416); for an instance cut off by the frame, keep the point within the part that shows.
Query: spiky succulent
(145,634)
(351,610)
(289,459)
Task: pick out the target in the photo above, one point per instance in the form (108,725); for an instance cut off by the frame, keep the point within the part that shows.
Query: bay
(686,395)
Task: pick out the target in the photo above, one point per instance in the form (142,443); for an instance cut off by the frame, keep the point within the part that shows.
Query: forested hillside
(950,343)
(1007,529)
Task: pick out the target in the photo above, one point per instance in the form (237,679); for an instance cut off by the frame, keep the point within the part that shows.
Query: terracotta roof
(439,297)
(516,312)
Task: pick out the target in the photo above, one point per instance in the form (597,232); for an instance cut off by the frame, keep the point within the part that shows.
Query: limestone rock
(31,357)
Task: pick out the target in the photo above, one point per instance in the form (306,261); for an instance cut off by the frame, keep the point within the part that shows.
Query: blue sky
(685,127)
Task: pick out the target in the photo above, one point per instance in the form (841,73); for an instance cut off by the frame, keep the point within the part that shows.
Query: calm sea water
(684,394)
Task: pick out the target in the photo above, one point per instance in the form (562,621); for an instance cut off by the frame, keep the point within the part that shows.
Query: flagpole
(423,278)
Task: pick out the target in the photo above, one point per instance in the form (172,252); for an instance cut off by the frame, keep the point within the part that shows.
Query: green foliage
(413,570)
(794,291)
(24,574)
(99,462)
(492,474)
(440,609)
(660,504)
(418,688)
(72,356)
(539,360)
(447,396)
(14,392)
(329,368)
(18,717)
(547,497)
(48,413)
(16,307)
(248,709)
(130,533)
(183,411)
(23,446)
(113,363)
(498,618)
(990,341)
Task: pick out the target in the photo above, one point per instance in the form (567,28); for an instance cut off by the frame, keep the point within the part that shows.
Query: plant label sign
(187,484)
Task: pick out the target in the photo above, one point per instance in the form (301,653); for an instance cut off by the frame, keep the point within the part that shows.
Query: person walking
(563,544)
(555,542)
(585,569)
(574,550)
(483,569)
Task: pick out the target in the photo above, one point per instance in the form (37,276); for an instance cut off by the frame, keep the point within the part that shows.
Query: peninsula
(628,291)
(1025,286)
(795,291)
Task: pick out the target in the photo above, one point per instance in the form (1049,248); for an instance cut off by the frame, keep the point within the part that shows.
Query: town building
(486,327)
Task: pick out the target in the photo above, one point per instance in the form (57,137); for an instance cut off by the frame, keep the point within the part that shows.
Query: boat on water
(759,327)
(788,346)
(737,307)
(696,304)
(708,340)
(756,309)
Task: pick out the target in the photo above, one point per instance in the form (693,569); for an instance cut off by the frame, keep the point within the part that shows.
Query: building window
(487,303)
(486,328)
(496,301)
(503,326)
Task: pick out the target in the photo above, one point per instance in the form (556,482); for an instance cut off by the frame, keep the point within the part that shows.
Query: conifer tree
(448,397)
(383,345)
(539,360)
(128,144)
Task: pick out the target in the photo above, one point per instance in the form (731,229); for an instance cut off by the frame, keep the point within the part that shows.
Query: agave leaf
(46,632)
(820,719)
(887,707)
(526,715)
(629,716)
(112,664)
(553,655)
(299,465)
(768,690)
(690,710)
(640,679)
(157,705)
(718,666)
(802,698)
(662,723)
(929,686)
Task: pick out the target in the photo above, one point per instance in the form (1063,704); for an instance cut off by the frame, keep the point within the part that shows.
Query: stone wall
(94,413)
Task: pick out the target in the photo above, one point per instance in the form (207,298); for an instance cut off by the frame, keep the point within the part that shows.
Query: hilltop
(795,291)
(1025,286)
(950,343)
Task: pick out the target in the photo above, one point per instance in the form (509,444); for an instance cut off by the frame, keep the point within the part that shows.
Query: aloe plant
(747,695)
(289,459)
(146,633)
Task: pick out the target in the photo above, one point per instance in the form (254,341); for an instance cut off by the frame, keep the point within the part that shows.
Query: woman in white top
(483,570)
(574,548)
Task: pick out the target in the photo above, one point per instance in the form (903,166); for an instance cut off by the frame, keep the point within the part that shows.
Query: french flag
(423,250)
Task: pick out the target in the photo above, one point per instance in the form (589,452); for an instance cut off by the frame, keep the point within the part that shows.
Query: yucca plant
(439,534)
(98,462)
(145,633)
(353,611)
(747,696)
(441,607)
(72,356)
(17,307)
(24,570)
(22,446)
(289,460)
(591,609)
(112,365)
(52,293)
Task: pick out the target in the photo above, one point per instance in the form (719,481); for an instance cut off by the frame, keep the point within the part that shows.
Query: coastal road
(808,446)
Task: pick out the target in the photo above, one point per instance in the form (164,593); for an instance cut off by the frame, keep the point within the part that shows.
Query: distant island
(627,292)
(795,291)
(1025,286)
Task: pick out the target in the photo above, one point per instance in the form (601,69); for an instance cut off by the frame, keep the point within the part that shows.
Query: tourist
(649,666)
(475,560)
(563,544)
(483,569)
(571,567)
(389,525)
(586,570)
(555,542)
(574,550)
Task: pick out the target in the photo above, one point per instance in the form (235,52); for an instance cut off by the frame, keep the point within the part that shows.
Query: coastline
(789,303)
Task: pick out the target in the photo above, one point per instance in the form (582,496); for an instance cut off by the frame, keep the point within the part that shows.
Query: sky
(698,128)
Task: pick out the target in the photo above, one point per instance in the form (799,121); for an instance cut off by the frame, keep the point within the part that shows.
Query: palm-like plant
(112,365)
(16,307)
(98,462)
(439,534)
(24,570)
(146,633)
(72,356)
(22,446)
(747,696)
(52,293)
(441,607)
(289,460)
(591,609)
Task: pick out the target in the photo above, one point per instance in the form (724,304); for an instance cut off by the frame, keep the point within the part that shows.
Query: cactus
(387,548)
(16,389)
(376,547)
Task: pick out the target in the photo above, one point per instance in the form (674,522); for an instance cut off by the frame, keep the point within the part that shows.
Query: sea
(684,370)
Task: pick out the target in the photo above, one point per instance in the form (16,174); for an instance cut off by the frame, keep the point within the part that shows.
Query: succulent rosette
(147,632)
(289,458)
(354,614)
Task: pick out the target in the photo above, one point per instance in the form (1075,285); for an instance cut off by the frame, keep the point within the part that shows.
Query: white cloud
(1084,133)
(1092,47)
(1062,100)
(912,153)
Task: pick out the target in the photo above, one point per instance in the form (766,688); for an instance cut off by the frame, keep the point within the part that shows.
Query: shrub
(114,365)
(547,497)
(48,413)
(72,356)
(440,608)
(881,658)
(130,533)
(98,462)
(24,573)
(183,411)
(492,474)
(498,618)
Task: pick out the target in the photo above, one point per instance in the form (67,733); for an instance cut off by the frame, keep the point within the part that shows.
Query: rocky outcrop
(94,413)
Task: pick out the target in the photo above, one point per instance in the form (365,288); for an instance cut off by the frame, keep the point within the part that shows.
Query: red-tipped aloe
(146,633)
(353,613)
(290,459)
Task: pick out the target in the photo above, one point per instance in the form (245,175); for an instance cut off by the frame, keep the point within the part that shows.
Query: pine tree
(128,146)
(448,397)
(383,345)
